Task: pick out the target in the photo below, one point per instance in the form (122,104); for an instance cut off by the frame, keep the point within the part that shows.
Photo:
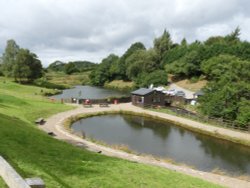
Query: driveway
(188,93)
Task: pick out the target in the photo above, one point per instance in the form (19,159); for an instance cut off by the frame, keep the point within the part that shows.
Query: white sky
(92,29)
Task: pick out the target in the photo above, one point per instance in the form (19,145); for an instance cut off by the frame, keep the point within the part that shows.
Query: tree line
(71,67)
(222,60)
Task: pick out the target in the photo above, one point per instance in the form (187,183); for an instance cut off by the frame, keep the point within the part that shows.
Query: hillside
(34,153)
(223,61)
(81,66)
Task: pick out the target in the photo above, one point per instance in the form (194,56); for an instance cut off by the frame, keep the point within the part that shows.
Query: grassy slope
(187,84)
(2,184)
(60,78)
(120,85)
(33,153)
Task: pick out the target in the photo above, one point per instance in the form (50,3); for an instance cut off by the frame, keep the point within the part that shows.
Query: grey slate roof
(142,91)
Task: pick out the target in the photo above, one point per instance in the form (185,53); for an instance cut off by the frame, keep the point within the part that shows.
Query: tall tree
(101,74)
(70,68)
(122,66)
(162,45)
(26,66)
(227,94)
(21,69)
(9,57)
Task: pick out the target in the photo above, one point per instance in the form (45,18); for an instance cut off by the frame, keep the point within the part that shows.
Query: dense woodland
(222,60)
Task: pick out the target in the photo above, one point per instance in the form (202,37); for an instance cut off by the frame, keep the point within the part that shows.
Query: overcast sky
(92,29)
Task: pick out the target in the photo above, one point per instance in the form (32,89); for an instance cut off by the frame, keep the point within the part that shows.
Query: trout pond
(166,140)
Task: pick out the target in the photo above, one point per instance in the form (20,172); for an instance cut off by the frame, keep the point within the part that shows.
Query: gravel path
(55,124)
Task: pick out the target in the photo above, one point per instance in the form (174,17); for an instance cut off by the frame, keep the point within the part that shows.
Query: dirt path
(54,124)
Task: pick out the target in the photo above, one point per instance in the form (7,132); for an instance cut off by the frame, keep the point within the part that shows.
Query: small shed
(146,97)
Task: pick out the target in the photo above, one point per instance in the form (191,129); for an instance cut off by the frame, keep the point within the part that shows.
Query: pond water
(89,92)
(166,140)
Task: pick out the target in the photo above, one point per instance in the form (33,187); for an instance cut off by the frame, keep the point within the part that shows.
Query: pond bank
(55,124)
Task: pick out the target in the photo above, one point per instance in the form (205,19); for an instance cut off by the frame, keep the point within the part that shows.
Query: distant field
(187,84)
(60,78)
(33,153)
(120,85)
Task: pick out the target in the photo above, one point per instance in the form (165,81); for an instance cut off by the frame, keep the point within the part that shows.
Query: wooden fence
(206,119)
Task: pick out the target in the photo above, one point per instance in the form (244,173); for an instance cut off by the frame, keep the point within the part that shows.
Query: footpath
(55,124)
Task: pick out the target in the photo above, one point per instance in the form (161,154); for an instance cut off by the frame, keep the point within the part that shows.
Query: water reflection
(167,140)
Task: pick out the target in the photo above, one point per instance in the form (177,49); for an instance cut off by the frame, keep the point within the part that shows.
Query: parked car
(180,94)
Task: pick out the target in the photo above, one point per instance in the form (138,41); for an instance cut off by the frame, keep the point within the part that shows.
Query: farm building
(145,97)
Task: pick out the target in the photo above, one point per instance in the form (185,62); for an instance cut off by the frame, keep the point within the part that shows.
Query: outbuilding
(147,97)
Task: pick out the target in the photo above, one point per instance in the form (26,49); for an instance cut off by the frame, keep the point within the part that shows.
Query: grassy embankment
(60,78)
(2,183)
(120,85)
(33,153)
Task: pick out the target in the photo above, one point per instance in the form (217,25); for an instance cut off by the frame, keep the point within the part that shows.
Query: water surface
(166,140)
(89,92)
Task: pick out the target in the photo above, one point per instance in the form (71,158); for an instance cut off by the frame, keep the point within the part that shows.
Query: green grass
(60,78)
(120,85)
(2,183)
(33,153)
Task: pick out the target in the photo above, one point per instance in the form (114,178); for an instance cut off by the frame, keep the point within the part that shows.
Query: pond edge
(67,123)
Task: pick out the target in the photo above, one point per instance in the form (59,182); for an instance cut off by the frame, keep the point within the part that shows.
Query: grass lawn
(2,183)
(33,153)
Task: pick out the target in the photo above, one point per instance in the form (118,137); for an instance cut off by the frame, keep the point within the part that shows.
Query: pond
(165,140)
(89,92)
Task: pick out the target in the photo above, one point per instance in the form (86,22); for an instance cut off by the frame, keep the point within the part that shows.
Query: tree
(21,69)
(57,66)
(70,68)
(227,94)
(36,69)
(27,66)
(121,65)
(9,57)
(157,78)
(141,61)
(234,36)
(101,74)
(162,45)
(216,66)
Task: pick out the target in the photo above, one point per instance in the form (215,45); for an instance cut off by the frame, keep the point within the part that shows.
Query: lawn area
(60,78)
(33,153)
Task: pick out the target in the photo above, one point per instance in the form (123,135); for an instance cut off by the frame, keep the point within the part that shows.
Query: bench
(104,105)
(51,134)
(40,121)
(35,182)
